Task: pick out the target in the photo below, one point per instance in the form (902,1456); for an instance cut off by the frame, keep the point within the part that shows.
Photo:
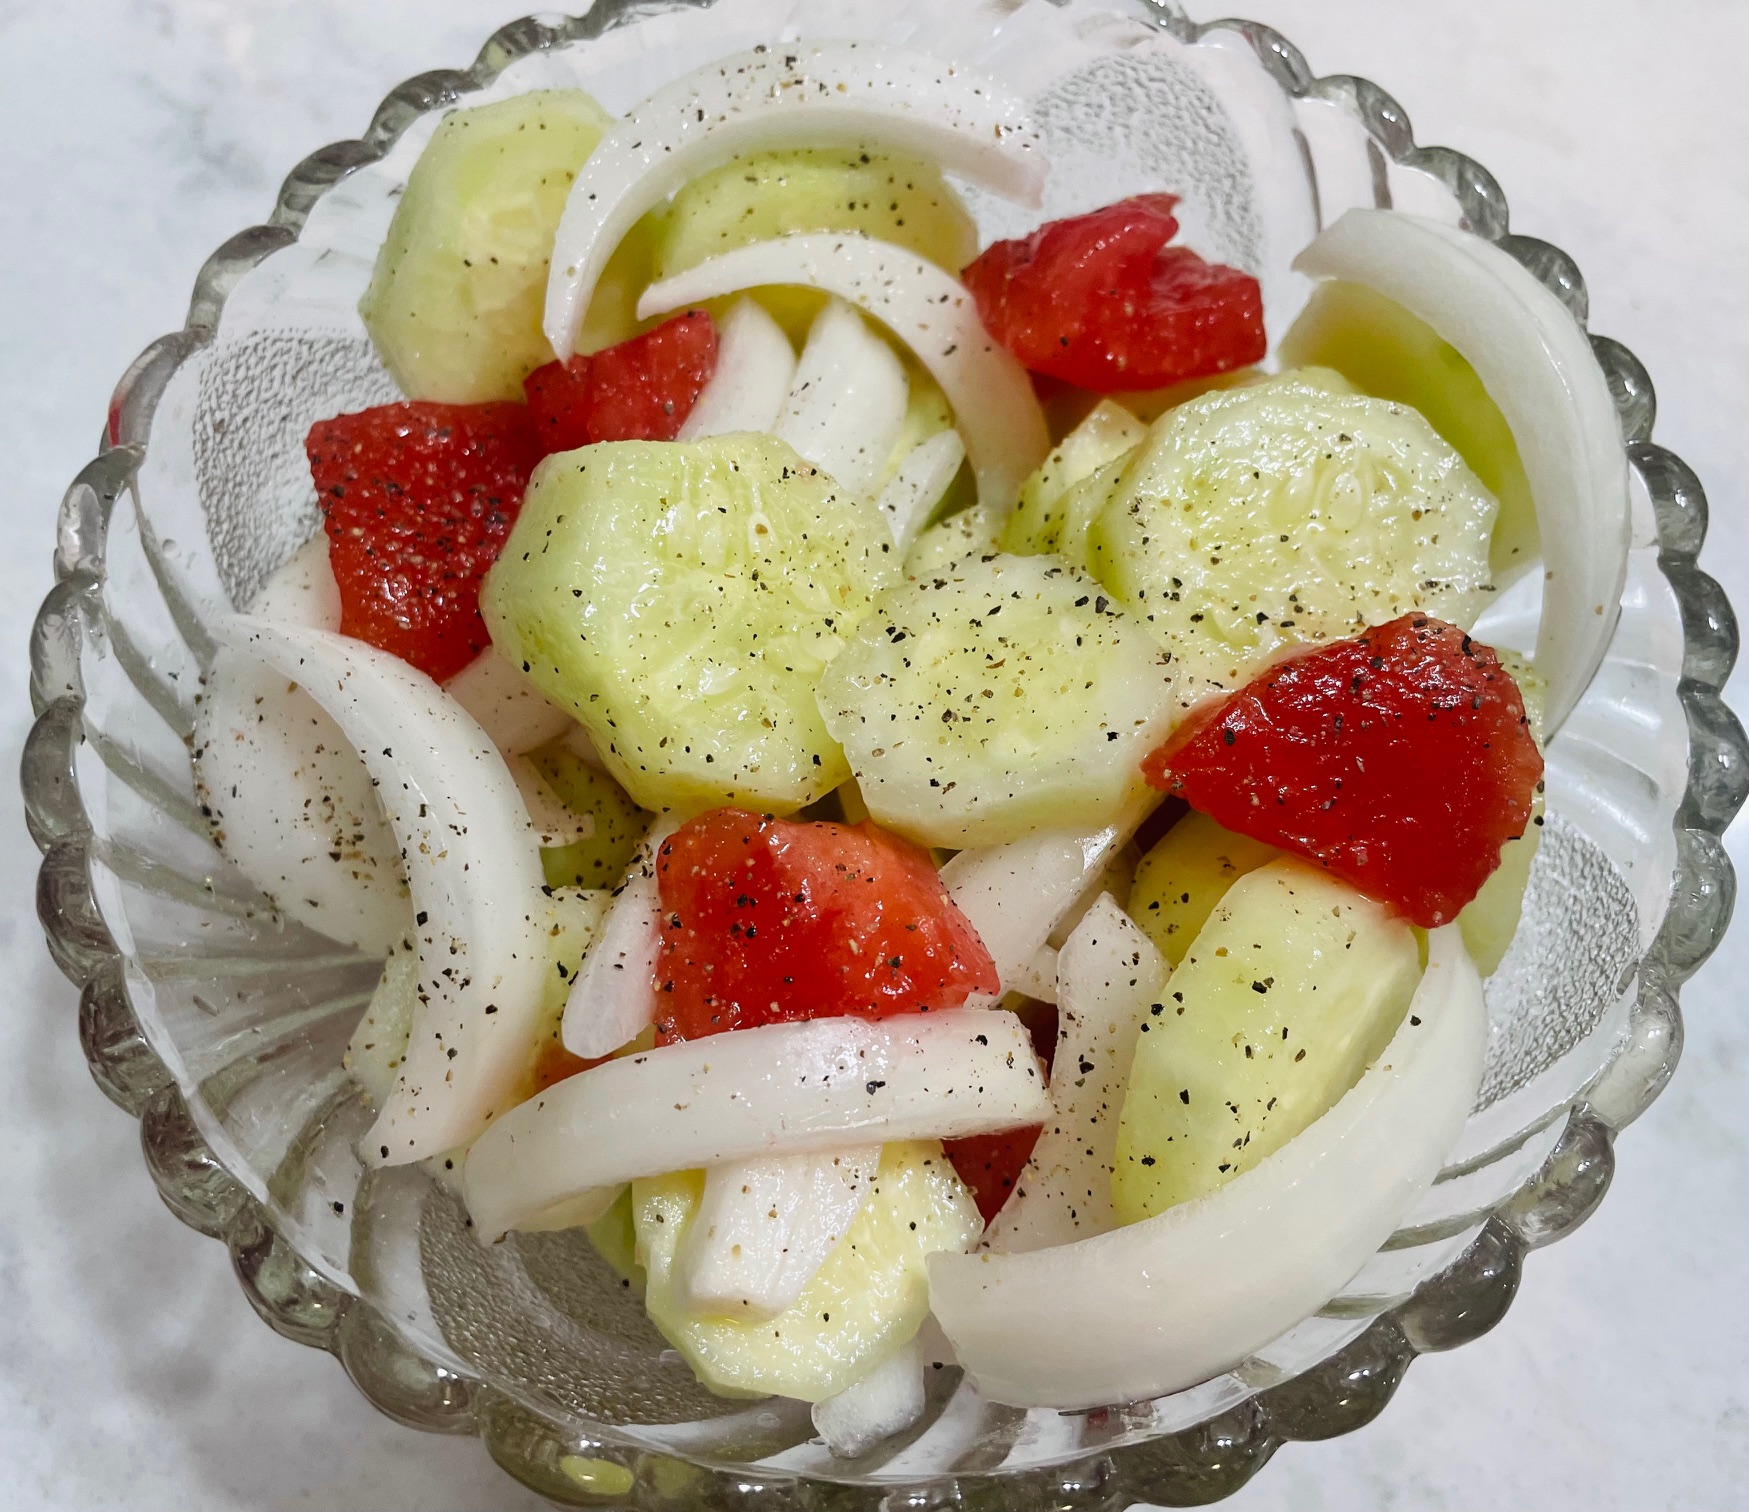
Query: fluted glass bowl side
(220,1025)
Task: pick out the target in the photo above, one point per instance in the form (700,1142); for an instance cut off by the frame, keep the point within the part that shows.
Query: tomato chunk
(640,390)
(1401,760)
(990,1164)
(771,921)
(417,499)
(1100,301)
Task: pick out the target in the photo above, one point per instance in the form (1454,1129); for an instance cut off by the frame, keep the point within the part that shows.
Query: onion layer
(613,999)
(1174,1300)
(516,716)
(1536,364)
(812,94)
(1108,976)
(1016,894)
(765,1226)
(473,868)
(924,475)
(782,1089)
(755,366)
(846,403)
(994,407)
(290,802)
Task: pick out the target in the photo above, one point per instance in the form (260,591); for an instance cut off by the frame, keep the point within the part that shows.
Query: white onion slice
(805,94)
(1536,364)
(846,404)
(1108,977)
(613,999)
(554,823)
(994,407)
(755,365)
(888,1400)
(1038,977)
(515,714)
(782,1089)
(916,487)
(1015,894)
(473,869)
(290,801)
(1163,1304)
(764,1226)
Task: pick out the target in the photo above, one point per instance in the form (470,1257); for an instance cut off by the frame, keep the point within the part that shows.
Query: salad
(936,797)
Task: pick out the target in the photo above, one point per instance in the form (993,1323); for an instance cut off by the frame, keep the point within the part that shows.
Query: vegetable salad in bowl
(900,784)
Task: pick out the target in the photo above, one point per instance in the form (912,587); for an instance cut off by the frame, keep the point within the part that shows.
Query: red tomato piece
(990,1164)
(1100,301)
(769,921)
(417,499)
(640,390)
(1401,760)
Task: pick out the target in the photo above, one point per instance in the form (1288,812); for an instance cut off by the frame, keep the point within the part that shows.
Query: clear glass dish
(221,1025)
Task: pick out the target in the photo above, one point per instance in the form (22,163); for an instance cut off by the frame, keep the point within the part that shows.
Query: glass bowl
(220,1024)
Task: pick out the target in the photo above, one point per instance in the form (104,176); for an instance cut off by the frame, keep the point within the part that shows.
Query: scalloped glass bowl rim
(57,815)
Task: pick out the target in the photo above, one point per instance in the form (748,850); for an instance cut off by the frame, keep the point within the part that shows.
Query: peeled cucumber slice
(454,304)
(683,599)
(996,699)
(1388,352)
(1106,434)
(1285,997)
(1284,512)
(947,543)
(767,194)
(601,859)
(866,1302)
(1179,882)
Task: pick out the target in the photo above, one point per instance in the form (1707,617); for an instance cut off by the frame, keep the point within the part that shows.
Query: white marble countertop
(136,134)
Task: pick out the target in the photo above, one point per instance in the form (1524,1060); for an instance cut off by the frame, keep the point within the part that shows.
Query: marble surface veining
(136,134)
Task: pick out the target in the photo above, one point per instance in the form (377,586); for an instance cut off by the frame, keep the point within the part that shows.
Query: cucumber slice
(1184,876)
(1285,997)
(683,599)
(1388,352)
(454,304)
(865,1302)
(947,543)
(767,194)
(994,700)
(601,859)
(1283,512)
(1107,433)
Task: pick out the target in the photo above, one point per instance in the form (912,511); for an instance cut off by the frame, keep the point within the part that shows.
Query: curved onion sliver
(755,365)
(1016,894)
(473,868)
(291,804)
(1173,1300)
(765,1226)
(1108,976)
(888,1400)
(613,999)
(515,715)
(917,486)
(846,404)
(1536,363)
(783,1089)
(994,407)
(807,94)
